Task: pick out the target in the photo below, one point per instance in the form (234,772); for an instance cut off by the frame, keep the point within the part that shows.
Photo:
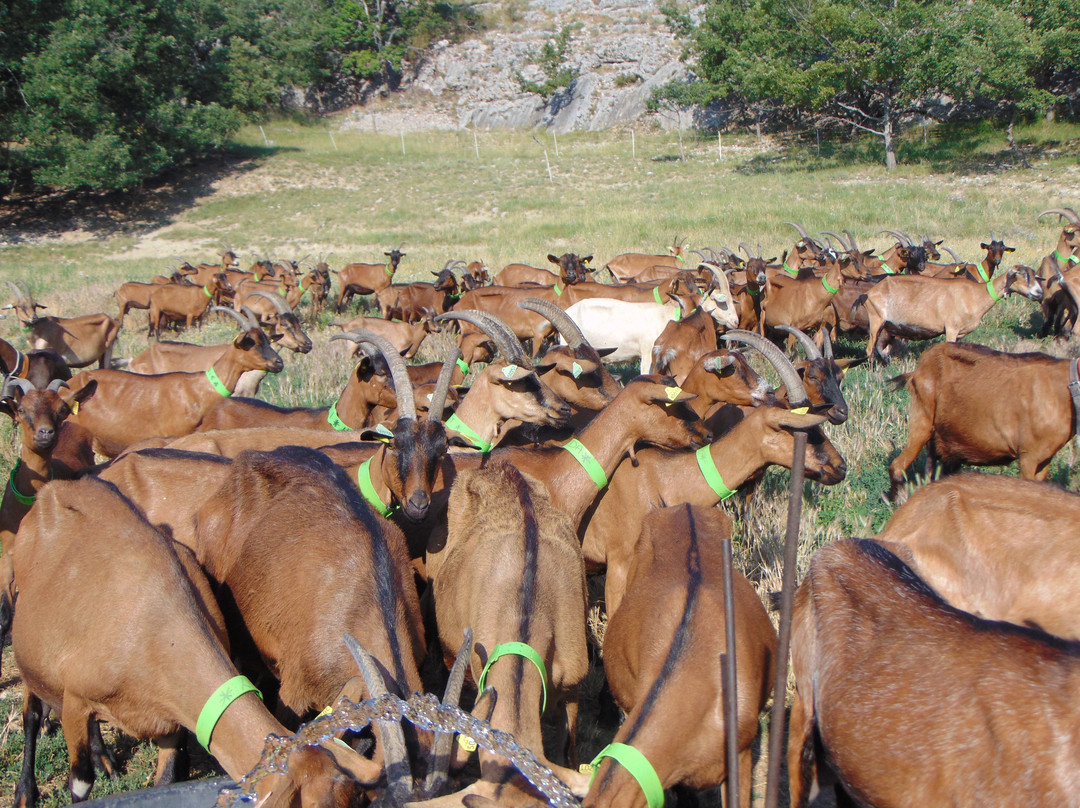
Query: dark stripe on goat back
(530,531)
(681,638)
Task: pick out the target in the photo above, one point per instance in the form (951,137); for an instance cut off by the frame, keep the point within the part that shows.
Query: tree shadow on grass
(155,204)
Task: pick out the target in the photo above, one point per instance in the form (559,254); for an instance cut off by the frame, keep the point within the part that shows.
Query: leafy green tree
(551,59)
(867,63)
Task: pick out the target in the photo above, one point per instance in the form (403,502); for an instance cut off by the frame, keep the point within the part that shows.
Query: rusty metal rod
(728,663)
(787,600)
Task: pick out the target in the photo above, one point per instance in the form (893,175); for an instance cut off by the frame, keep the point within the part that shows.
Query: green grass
(357,194)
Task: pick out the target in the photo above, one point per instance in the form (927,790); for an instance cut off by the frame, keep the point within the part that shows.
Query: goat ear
(587,259)
(847,364)
(40,306)
(243,341)
(552,258)
(543,368)
(602,352)
(8,406)
(787,419)
(1009,249)
(84,392)
(984,246)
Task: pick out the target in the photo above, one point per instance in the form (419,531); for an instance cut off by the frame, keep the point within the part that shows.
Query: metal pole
(729,664)
(633,145)
(475,144)
(332,141)
(555,135)
(787,600)
(402,143)
(720,144)
(267,142)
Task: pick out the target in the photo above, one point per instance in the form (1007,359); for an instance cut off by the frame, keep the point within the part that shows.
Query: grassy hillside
(291,190)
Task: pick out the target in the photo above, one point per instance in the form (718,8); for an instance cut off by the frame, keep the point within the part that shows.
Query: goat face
(576,377)
(572,267)
(287,327)
(395,255)
(259,354)
(418,448)
(40,414)
(527,398)
(821,377)
(445,282)
(914,258)
(671,423)
(823,462)
(995,251)
(1022,280)
(726,376)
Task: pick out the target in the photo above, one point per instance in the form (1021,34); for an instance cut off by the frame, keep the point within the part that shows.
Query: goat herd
(227,540)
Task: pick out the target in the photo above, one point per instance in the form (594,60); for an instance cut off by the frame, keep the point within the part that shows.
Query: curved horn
(826,344)
(808,345)
(904,240)
(836,236)
(398,372)
(912,241)
(19,294)
(477,318)
(517,354)
(439,757)
(1068,213)
(700,254)
(56,384)
(558,318)
(14,381)
(442,385)
(746,249)
(245,322)
(788,375)
(801,229)
(851,240)
(955,257)
(279,302)
(396,755)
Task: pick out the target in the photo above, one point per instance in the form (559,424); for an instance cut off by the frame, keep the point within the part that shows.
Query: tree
(866,63)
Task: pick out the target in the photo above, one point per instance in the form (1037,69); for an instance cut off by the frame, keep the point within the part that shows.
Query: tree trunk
(887,129)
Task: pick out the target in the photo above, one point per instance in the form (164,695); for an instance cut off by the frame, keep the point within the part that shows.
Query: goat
(909,701)
(410,302)
(128,407)
(662,651)
(984,271)
(180,301)
(474,275)
(405,337)
(81,341)
(762,438)
(915,307)
(283,323)
(37,367)
(136,295)
(366,279)
(800,302)
(153,615)
(572,269)
(512,571)
(1058,306)
(958,411)
(317,282)
(625,267)
(995,546)
(821,373)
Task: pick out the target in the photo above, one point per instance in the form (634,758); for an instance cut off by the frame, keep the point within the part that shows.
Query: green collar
(753,292)
(389,271)
(656,295)
(22,499)
(679,258)
(993,292)
(792,272)
(1072,259)
(711,473)
(982,273)
(335,421)
(829,289)
(520,649)
(558,291)
(459,426)
(639,767)
(27,329)
(218,703)
(207,292)
(588,462)
(463,366)
(367,489)
(888,269)
(216,383)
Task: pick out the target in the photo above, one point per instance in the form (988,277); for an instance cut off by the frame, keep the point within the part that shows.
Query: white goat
(632,328)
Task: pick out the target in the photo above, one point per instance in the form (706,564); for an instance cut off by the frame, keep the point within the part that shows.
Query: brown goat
(995,546)
(81,341)
(410,302)
(128,407)
(1057,305)
(405,337)
(958,411)
(798,302)
(37,367)
(136,295)
(662,651)
(625,267)
(572,269)
(152,615)
(915,307)
(366,279)
(909,701)
(176,301)
(513,572)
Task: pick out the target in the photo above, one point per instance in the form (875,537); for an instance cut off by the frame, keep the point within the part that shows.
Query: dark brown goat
(37,367)
(909,701)
(662,651)
(366,279)
(572,269)
(958,412)
(176,301)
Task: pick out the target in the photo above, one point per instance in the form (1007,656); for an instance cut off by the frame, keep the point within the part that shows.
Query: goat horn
(398,373)
(746,249)
(395,754)
(788,375)
(801,229)
(19,294)
(558,318)
(245,323)
(851,241)
(809,346)
(700,254)
(477,318)
(904,240)
(280,303)
(14,381)
(56,384)
(1068,213)
(439,757)
(442,385)
(826,344)
(955,257)
(836,236)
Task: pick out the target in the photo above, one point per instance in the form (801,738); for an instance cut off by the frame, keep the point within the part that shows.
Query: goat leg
(172,762)
(100,755)
(76,719)
(26,793)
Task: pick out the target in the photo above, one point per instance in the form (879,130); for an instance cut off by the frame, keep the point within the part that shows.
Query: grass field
(308,190)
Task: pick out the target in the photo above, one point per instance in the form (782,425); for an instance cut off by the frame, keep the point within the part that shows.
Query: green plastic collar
(711,473)
(520,649)
(207,292)
(656,294)
(389,271)
(639,767)
(464,366)
(828,288)
(456,424)
(216,383)
(218,703)
(335,420)
(588,462)
(679,258)
(982,273)
(558,291)
(993,292)
(792,272)
(367,489)
(752,292)
(888,269)
(22,499)
(1072,259)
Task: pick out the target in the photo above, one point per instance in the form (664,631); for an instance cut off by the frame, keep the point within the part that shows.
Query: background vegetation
(352,196)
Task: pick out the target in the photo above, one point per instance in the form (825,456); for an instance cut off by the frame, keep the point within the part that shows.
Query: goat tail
(896,382)
(858,302)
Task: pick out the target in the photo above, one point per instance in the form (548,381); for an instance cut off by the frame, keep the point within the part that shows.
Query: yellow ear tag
(585,768)
(673,392)
(575,369)
(74,407)
(843,371)
(466,743)
(325,711)
(509,371)
(801,410)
